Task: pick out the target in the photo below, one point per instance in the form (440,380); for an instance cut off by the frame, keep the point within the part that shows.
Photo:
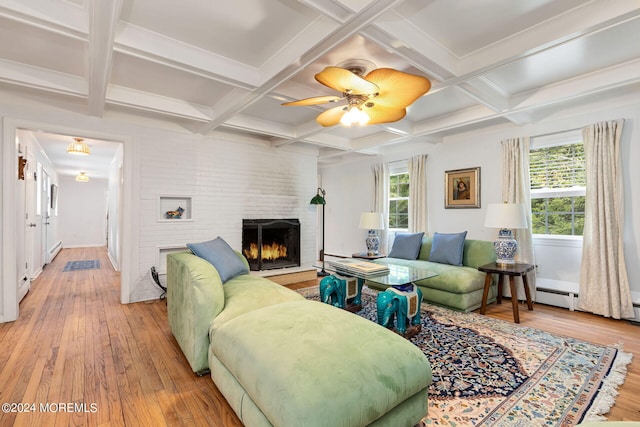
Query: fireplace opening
(271,243)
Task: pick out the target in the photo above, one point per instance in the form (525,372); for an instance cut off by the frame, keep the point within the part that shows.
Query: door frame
(9,161)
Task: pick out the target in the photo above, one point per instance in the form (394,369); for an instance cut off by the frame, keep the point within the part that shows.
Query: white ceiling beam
(402,36)
(300,133)
(41,79)
(586,85)
(64,18)
(290,53)
(147,102)
(141,43)
(103,18)
(486,93)
(333,9)
(581,22)
(351,27)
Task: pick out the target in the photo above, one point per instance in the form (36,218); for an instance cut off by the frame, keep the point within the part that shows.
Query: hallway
(107,363)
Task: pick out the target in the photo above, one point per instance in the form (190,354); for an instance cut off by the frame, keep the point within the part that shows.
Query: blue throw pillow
(406,245)
(221,256)
(447,248)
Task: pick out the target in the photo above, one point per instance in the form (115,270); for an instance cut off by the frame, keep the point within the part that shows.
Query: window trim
(550,141)
(396,168)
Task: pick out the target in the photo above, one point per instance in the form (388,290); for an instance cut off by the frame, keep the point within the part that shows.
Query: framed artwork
(462,188)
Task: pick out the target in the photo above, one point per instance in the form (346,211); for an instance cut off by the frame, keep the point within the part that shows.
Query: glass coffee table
(399,303)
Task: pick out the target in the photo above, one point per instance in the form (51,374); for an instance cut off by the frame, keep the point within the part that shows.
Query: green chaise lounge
(281,360)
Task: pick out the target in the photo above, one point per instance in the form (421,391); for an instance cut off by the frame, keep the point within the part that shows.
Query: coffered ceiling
(226,66)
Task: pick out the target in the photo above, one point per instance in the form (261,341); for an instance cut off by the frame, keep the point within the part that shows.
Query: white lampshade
(371,221)
(505,215)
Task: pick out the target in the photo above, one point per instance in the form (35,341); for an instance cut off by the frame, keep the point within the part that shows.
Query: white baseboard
(55,250)
(95,245)
(558,293)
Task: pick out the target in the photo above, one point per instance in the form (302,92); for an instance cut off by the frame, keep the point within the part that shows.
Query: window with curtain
(557,178)
(399,197)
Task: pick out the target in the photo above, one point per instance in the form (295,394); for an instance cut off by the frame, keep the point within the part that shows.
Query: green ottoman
(304,363)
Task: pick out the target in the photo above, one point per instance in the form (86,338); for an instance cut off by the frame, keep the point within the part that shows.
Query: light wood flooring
(119,364)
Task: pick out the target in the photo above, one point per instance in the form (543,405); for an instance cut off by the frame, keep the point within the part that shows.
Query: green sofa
(456,287)
(281,360)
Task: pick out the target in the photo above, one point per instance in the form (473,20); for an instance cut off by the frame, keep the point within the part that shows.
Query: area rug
(494,373)
(81,265)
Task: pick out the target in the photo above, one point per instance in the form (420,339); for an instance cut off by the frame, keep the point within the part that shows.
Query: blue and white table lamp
(372,221)
(505,216)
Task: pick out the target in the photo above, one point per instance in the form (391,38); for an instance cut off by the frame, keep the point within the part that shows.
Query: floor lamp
(318,199)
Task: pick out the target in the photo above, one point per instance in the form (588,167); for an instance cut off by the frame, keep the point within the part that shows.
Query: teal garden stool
(342,292)
(400,305)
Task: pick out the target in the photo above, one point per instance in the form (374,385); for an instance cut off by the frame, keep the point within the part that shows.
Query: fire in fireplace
(271,243)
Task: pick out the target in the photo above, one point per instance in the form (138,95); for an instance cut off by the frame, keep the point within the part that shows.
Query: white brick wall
(227,181)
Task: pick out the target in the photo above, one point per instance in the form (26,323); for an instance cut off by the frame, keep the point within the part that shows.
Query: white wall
(226,181)
(228,178)
(82,212)
(349,186)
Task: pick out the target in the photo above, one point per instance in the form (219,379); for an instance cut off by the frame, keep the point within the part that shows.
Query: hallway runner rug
(82,265)
(494,373)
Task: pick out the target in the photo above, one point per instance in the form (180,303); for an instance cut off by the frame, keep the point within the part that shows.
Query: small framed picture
(462,188)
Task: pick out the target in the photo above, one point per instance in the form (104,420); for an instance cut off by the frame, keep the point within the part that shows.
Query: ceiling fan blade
(316,100)
(397,89)
(345,81)
(331,117)
(380,114)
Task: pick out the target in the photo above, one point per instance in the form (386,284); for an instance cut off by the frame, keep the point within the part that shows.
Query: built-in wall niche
(161,257)
(175,208)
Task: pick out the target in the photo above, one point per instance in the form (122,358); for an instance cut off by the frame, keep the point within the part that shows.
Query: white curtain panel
(381,201)
(604,285)
(418,194)
(517,189)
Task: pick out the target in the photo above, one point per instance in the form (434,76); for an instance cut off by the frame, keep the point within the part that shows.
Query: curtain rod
(556,133)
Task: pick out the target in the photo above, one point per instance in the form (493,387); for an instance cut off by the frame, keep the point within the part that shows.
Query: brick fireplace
(271,243)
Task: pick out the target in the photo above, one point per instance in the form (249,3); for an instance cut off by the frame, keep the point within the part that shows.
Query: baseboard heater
(565,294)
(54,251)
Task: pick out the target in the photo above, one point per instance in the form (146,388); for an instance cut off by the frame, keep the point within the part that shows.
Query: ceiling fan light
(82,177)
(78,147)
(355,115)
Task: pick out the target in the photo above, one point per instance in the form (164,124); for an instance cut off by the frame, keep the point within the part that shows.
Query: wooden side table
(511,270)
(364,255)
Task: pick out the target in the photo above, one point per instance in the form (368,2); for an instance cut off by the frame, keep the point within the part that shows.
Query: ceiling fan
(380,96)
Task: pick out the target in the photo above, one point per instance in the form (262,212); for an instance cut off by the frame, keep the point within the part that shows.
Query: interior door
(30,224)
(44,218)
(36,252)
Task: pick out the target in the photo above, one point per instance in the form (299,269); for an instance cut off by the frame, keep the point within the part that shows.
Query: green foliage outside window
(399,201)
(558,179)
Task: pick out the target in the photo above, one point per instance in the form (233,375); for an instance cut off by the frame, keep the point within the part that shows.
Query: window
(557,178)
(399,200)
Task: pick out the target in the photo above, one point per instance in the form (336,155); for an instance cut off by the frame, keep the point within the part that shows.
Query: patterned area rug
(82,265)
(494,373)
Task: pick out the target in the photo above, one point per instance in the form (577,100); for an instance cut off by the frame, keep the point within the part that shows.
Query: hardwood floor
(75,344)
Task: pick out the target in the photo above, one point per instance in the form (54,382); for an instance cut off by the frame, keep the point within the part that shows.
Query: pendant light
(82,177)
(78,147)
